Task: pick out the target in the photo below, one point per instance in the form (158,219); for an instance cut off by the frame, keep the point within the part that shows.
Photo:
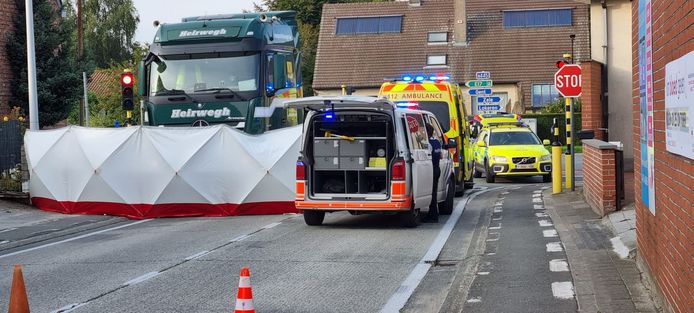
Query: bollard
(569,144)
(568,170)
(556,160)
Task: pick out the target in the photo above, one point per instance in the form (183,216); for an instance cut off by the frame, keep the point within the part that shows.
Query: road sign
(480,92)
(488,100)
(483,75)
(478,83)
(488,107)
(567,80)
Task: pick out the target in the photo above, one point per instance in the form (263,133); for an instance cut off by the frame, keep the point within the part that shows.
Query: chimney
(460,23)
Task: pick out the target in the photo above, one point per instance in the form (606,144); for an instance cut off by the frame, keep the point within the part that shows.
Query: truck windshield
(204,73)
(513,138)
(440,110)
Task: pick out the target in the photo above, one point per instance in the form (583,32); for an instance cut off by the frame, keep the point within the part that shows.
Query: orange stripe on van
(300,189)
(362,205)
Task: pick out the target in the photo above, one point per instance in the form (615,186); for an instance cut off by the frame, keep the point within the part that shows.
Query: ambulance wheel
(411,218)
(547,178)
(313,218)
(447,207)
(489,175)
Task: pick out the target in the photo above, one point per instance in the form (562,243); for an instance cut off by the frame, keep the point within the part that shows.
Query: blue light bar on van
(407,78)
(419,78)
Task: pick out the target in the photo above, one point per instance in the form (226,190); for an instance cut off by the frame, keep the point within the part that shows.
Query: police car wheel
(314,218)
(447,207)
(546,178)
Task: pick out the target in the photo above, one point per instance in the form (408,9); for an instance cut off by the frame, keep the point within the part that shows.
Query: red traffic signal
(561,63)
(127,79)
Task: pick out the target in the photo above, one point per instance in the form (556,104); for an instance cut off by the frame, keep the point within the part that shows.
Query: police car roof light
(407,104)
(440,78)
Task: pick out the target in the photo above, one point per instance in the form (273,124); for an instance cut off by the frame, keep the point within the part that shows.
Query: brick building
(664,166)
(518,41)
(6,27)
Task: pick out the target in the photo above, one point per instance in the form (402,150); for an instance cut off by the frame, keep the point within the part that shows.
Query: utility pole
(80,55)
(31,68)
(571,144)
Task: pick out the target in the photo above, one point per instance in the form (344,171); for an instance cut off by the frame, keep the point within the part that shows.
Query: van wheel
(447,207)
(314,218)
(411,218)
(489,175)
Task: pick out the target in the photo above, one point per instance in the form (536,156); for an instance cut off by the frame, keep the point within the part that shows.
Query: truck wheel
(410,219)
(547,178)
(447,207)
(489,175)
(313,218)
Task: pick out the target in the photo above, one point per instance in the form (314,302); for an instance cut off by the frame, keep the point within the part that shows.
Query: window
(440,110)
(513,138)
(436,60)
(418,133)
(437,37)
(368,25)
(544,94)
(537,18)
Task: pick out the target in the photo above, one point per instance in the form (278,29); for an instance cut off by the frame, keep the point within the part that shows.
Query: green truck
(223,69)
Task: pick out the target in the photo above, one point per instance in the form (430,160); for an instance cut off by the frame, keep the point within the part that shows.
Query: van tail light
(397,170)
(300,170)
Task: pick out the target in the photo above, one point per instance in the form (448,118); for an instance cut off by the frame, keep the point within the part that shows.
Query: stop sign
(567,80)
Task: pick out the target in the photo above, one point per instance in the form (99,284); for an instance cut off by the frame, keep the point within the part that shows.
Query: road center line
(197,255)
(71,239)
(140,279)
(398,300)
(268,226)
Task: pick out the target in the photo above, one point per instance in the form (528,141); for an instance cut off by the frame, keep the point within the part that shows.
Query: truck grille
(524,160)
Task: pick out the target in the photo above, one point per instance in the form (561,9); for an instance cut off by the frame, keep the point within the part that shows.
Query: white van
(364,154)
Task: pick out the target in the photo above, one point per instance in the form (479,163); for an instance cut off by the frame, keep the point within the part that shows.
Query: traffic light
(566,59)
(127,81)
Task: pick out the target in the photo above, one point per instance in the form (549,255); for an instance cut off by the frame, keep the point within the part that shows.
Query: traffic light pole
(31,68)
(569,157)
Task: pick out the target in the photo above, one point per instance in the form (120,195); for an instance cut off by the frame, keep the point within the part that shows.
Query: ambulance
(437,94)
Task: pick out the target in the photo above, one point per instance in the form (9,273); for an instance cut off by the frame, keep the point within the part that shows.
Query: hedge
(545,121)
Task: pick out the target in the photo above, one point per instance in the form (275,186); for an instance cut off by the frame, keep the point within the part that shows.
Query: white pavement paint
(4,242)
(497,218)
(197,255)
(140,279)
(541,214)
(558,265)
(69,308)
(554,247)
(493,239)
(538,207)
(537,191)
(483,273)
(398,300)
(271,225)
(474,300)
(537,200)
(9,229)
(499,203)
(549,233)
(495,227)
(537,195)
(505,193)
(491,253)
(563,290)
(619,247)
(72,239)
(240,238)
(545,223)
(498,210)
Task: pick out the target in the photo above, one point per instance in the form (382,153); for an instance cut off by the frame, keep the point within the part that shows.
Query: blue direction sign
(483,75)
(489,107)
(480,92)
(488,100)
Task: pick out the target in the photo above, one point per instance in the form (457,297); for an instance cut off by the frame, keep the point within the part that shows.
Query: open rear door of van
(422,167)
(342,102)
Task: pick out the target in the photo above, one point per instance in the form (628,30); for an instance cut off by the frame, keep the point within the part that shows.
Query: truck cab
(219,69)
(364,154)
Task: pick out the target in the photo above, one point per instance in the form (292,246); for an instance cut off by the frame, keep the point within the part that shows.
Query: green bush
(545,121)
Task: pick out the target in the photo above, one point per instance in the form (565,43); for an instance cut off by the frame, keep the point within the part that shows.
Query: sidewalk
(605,278)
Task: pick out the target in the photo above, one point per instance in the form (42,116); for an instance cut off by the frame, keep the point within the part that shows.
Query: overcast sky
(169,11)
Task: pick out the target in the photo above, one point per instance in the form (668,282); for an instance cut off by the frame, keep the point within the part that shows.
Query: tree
(308,14)
(109,31)
(58,84)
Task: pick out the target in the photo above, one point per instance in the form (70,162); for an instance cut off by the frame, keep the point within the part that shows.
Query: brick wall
(591,100)
(6,16)
(599,176)
(666,239)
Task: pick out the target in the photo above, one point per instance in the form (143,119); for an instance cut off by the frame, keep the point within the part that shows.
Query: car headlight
(499,159)
(547,157)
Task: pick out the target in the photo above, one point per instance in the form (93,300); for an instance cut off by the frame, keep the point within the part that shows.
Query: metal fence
(11,140)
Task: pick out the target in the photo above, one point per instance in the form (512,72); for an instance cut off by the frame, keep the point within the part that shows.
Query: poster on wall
(645,42)
(679,106)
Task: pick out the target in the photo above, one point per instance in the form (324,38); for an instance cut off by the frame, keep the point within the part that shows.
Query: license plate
(525,166)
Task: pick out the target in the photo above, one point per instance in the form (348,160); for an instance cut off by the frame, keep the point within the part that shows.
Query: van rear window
(440,110)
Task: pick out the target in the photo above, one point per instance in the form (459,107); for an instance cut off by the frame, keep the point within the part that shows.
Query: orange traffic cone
(244,297)
(19,303)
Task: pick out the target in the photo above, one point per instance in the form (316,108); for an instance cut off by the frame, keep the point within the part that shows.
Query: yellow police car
(510,149)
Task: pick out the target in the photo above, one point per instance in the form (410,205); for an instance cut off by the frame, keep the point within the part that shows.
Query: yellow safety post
(569,144)
(556,160)
(129,117)
(344,90)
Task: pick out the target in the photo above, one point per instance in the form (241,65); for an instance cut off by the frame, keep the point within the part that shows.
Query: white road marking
(538,207)
(474,300)
(541,214)
(498,210)
(537,200)
(499,203)
(71,239)
(537,195)
(4,241)
(505,193)
(545,223)
(549,233)
(558,265)
(495,227)
(545,188)
(197,255)
(271,225)
(491,253)
(538,191)
(398,300)
(240,238)
(140,279)
(563,290)
(69,308)
(497,218)
(483,273)
(554,247)
(619,247)
(9,229)
(493,239)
